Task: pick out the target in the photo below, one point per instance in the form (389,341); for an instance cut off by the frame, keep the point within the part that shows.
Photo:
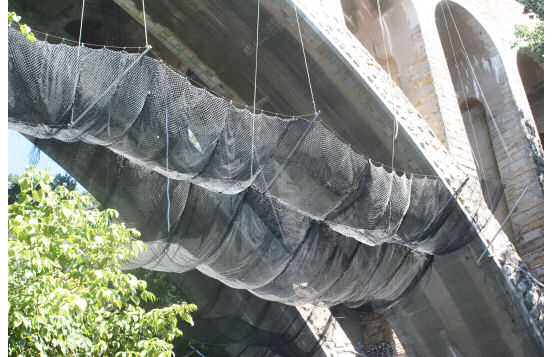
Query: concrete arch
(403,46)
(477,70)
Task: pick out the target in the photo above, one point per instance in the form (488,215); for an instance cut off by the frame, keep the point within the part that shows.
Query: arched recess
(477,71)
(402,45)
(476,127)
(532,77)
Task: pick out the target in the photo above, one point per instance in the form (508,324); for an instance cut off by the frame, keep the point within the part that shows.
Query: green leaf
(65,281)
(66,212)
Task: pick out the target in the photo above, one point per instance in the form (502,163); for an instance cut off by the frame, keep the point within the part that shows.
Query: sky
(20,153)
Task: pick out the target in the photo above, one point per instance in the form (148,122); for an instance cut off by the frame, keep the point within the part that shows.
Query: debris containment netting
(330,228)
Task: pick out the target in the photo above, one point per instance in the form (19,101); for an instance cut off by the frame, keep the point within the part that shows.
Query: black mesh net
(221,190)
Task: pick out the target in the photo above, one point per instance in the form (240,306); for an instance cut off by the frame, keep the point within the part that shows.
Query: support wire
(255,86)
(395,131)
(480,159)
(305,59)
(476,79)
(81,24)
(145,24)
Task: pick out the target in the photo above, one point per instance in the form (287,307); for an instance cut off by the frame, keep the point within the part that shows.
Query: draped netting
(318,224)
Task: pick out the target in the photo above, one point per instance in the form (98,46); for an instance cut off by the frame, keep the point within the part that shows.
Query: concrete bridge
(444,71)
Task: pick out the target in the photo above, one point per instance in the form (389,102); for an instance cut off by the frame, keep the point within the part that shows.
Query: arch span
(477,71)
(402,45)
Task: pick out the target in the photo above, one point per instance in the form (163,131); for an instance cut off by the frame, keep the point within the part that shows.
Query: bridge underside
(460,308)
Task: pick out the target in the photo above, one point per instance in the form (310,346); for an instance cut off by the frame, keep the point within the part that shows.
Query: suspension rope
(81,24)
(395,131)
(476,79)
(145,24)
(78,64)
(480,160)
(255,86)
(383,38)
(305,59)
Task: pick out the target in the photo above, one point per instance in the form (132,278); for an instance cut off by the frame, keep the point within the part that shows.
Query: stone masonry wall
(447,165)
(522,166)
(405,49)
(380,339)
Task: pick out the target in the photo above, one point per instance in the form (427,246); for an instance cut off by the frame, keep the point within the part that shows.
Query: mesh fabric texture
(332,228)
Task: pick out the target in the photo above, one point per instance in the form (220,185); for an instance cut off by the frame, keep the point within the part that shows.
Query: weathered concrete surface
(460,307)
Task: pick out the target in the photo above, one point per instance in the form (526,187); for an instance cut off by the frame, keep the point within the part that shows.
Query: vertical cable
(78,64)
(255,87)
(476,79)
(81,25)
(480,159)
(305,59)
(145,24)
(383,38)
(395,131)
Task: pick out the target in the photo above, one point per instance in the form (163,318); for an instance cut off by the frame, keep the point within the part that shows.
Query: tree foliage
(532,39)
(67,292)
(26,30)
(13,188)
(535,7)
(59,180)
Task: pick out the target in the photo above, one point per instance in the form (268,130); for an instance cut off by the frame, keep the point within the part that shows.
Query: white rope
(383,38)
(305,59)
(145,24)
(476,79)
(480,160)
(255,87)
(395,131)
(78,62)
(81,25)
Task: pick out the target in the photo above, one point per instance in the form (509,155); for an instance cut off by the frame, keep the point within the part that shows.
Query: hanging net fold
(319,224)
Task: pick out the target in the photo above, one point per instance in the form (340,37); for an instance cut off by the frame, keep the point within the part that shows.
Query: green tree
(26,30)
(13,188)
(63,180)
(59,180)
(67,292)
(532,39)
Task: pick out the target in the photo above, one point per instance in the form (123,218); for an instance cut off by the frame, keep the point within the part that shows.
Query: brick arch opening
(482,74)
(405,50)
(476,126)
(532,77)
(477,71)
